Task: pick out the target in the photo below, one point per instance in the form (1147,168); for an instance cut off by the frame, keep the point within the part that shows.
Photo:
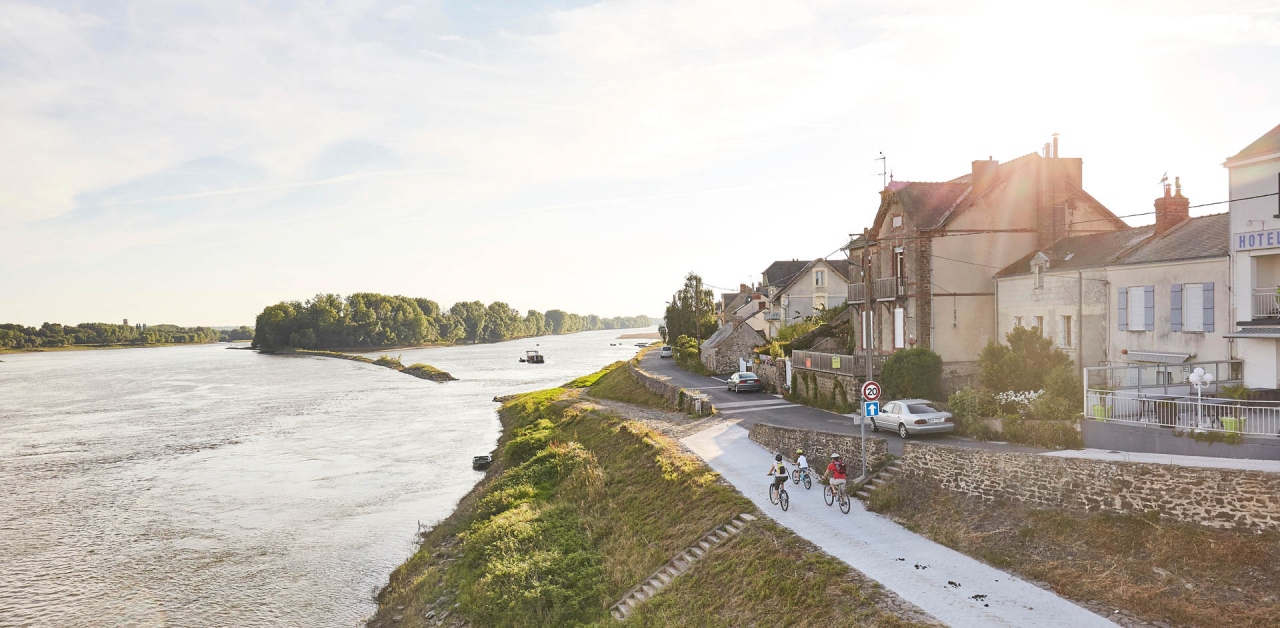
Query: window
(1064,332)
(897,221)
(899,263)
(1192,307)
(1040,324)
(1017,321)
(1137,308)
(819,301)
(922,408)
(1039,279)
(819,278)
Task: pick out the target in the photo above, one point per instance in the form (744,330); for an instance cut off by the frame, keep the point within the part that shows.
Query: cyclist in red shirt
(835,472)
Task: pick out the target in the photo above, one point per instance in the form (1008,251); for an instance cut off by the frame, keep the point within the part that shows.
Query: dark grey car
(745,382)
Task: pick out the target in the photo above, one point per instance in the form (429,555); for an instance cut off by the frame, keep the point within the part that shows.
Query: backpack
(781,468)
(840,467)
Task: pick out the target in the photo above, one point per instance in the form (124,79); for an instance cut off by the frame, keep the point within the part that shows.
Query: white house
(1255,258)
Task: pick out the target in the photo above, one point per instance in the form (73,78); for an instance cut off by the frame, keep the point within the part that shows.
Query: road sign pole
(869,302)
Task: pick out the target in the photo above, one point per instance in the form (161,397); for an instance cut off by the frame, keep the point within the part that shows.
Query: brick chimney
(1172,208)
(984,172)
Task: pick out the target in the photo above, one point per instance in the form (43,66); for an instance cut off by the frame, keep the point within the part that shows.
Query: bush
(1050,408)
(972,403)
(1048,434)
(912,373)
(1022,364)
(1061,382)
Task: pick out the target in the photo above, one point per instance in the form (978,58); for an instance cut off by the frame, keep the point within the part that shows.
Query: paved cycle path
(939,580)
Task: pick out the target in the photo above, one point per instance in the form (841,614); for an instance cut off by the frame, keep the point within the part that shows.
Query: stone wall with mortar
(1220,498)
(817,445)
(690,401)
(826,383)
(773,375)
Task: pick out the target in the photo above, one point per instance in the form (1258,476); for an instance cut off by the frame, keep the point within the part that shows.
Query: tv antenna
(884,172)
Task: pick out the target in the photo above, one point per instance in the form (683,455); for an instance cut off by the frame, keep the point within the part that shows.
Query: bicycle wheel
(808,482)
(773,494)
(785,499)
(828,494)
(795,476)
(844,503)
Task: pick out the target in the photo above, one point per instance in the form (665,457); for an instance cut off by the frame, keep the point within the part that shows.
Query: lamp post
(1200,380)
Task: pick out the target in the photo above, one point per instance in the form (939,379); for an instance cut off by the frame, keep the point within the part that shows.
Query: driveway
(752,408)
(954,588)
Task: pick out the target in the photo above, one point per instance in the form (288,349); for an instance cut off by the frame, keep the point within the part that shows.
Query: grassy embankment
(1182,574)
(582,505)
(421,371)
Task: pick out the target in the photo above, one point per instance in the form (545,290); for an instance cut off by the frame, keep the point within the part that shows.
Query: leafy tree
(692,311)
(1022,364)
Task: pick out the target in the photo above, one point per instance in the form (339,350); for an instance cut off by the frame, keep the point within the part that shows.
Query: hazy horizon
(192,164)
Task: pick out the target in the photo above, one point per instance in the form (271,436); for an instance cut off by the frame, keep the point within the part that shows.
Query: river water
(201,486)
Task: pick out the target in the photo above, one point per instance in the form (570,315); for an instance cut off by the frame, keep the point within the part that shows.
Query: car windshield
(746,377)
(922,408)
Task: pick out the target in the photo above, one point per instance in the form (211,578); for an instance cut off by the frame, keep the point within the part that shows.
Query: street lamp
(1200,380)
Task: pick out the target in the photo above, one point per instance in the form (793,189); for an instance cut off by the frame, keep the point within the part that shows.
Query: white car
(666,352)
(913,416)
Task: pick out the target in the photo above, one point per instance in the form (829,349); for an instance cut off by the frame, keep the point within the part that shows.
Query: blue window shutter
(1122,308)
(1175,307)
(1208,306)
(1149,300)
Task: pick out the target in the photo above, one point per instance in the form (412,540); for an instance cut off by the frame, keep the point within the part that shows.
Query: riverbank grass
(583,505)
(419,370)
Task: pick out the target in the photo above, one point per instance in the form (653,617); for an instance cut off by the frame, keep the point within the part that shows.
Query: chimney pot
(1055,145)
(1171,210)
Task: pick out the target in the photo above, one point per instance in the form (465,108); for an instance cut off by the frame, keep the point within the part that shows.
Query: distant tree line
(52,335)
(369,320)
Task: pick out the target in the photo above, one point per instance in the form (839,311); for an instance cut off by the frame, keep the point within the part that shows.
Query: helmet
(799,452)
(778,457)
(835,456)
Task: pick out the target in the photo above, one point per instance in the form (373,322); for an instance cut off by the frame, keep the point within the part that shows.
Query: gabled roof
(726,331)
(1266,145)
(781,273)
(1196,238)
(841,267)
(926,203)
(1205,236)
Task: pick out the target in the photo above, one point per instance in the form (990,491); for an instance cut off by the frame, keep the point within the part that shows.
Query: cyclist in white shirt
(802,463)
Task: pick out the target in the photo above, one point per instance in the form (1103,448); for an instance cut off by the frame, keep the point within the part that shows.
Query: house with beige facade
(1151,295)
(935,249)
(797,290)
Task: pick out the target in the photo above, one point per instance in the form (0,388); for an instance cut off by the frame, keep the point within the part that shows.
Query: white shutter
(1137,309)
(1192,307)
(899,328)
(866,328)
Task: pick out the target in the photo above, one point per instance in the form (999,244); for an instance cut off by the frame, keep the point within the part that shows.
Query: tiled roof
(1085,251)
(927,203)
(1205,236)
(1265,145)
(780,273)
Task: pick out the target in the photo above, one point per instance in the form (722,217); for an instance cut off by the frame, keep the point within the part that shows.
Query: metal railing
(773,316)
(1165,379)
(881,289)
(1266,303)
(1174,411)
(851,365)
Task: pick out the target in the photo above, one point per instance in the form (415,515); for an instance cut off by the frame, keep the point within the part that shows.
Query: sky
(193,162)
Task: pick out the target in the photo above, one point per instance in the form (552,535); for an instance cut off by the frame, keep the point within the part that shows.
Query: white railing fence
(1266,303)
(1207,414)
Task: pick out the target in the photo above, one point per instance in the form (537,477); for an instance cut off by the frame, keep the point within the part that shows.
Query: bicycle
(778,495)
(799,474)
(830,495)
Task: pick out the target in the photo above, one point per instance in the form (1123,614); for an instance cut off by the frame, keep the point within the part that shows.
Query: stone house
(1255,259)
(1156,294)
(936,247)
(733,341)
(808,290)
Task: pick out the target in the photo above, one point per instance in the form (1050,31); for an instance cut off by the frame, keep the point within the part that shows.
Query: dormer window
(1039,264)
(897,221)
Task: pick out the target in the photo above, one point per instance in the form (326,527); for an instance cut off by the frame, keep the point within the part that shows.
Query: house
(935,248)
(731,301)
(1156,294)
(804,291)
(1254,175)
(752,311)
(732,342)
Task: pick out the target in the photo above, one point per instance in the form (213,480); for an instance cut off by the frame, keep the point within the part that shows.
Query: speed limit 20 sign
(870,391)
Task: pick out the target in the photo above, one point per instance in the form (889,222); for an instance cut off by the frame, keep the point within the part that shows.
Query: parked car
(666,352)
(913,416)
(741,382)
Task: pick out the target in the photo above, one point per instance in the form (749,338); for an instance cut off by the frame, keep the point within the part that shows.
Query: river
(202,486)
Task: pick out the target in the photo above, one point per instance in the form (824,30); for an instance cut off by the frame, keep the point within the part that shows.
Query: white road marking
(720,380)
(781,406)
(745,404)
(889,553)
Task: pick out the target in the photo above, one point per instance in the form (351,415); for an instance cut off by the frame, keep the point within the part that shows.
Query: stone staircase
(678,565)
(879,478)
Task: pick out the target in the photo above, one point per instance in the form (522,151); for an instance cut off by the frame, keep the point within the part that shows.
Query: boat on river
(480,463)
(532,357)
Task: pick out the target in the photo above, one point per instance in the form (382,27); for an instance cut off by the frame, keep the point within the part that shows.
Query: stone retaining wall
(691,401)
(827,383)
(774,375)
(786,440)
(1220,498)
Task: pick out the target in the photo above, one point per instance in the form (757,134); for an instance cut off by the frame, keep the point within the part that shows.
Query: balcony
(773,316)
(886,289)
(1266,303)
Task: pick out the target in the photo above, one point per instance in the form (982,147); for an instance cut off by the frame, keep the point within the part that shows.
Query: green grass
(619,384)
(419,370)
(587,381)
(581,506)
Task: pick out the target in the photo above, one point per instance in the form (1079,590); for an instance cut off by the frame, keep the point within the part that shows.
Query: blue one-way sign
(870,408)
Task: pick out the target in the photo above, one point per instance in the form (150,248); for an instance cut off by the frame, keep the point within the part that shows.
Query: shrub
(1022,364)
(1017,403)
(972,403)
(1048,434)
(913,373)
(1050,408)
(1061,382)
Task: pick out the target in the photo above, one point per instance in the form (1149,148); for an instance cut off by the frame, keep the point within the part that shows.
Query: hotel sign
(1257,240)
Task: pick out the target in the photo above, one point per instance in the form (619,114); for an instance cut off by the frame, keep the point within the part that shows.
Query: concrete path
(1271,466)
(940,581)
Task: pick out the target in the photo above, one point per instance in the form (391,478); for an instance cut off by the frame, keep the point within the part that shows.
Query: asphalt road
(758,407)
